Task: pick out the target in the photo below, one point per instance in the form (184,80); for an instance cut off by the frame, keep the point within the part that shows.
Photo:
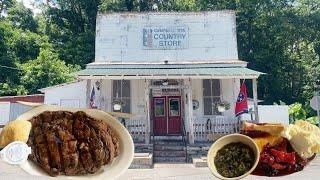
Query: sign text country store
(160,37)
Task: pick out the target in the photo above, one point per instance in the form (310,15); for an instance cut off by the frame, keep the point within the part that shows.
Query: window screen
(121,92)
(211,95)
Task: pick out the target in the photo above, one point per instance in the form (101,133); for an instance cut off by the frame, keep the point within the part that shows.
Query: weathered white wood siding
(16,109)
(74,92)
(4,112)
(211,37)
(229,92)
(137,96)
(10,111)
(106,95)
(270,114)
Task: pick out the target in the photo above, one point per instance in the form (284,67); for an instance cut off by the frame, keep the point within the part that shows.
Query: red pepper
(282,146)
(267,158)
(284,157)
(278,166)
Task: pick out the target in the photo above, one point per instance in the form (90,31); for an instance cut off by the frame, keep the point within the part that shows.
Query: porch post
(189,111)
(147,110)
(88,91)
(255,99)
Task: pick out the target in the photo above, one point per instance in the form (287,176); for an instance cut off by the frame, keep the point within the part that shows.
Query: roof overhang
(167,71)
(43,90)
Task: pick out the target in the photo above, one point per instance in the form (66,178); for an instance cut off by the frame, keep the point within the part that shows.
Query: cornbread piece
(263,134)
(17,130)
(65,143)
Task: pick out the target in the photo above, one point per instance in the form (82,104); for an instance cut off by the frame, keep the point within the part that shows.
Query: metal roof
(174,71)
(58,85)
(39,98)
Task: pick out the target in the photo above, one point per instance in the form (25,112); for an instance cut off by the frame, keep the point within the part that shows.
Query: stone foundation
(196,154)
(142,161)
(143,148)
(197,150)
(143,156)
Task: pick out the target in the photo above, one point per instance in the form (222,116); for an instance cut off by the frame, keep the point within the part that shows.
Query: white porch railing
(137,128)
(219,125)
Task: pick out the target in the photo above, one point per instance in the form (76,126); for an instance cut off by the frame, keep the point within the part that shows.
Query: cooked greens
(234,159)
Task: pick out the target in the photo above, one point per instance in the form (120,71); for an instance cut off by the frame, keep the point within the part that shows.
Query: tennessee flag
(242,101)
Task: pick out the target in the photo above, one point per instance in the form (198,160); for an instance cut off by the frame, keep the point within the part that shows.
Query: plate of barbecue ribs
(76,143)
(283,149)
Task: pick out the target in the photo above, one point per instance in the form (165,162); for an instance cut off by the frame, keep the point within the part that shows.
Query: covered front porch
(148,90)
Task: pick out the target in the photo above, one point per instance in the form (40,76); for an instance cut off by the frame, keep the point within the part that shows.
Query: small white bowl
(232,138)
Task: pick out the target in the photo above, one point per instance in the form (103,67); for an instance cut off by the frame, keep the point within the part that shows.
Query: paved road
(167,171)
(188,172)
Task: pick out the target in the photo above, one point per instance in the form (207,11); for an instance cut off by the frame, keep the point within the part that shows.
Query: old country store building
(167,69)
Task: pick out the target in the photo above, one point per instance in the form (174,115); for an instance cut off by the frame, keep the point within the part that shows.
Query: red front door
(167,115)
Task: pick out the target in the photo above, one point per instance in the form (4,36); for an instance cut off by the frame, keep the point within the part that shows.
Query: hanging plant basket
(117,105)
(221,106)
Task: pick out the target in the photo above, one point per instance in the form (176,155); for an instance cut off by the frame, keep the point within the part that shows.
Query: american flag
(92,98)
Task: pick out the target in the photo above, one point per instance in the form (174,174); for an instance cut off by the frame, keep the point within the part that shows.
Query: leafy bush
(313,120)
(297,112)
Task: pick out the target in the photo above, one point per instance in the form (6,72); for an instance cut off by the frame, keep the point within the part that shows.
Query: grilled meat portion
(65,143)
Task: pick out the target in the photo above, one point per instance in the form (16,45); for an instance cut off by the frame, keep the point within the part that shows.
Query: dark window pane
(127,107)
(122,94)
(215,87)
(174,107)
(126,88)
(115,88)
(159,107)
(211,94)
(206,87)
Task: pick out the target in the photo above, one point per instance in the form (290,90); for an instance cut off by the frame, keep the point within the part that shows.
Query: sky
(31,5)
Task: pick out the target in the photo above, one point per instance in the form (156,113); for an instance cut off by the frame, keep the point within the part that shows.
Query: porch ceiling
(160,71)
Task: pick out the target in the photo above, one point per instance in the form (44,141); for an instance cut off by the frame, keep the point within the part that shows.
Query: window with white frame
(121,91)
(211,95)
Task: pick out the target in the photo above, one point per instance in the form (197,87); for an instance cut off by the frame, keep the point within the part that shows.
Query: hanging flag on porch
(92,98)
(242,101)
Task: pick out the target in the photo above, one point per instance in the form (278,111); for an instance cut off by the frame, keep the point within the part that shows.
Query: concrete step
(169,153)
(169,142)
(169,159)
(142,161)
(161,147)
(177,138)
(200,162)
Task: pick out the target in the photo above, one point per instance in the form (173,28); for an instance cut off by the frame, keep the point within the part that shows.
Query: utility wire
(7,67)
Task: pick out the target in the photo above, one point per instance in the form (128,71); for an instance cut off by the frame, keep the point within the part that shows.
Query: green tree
(71,28)
(22,17)
(24,45)
(46,70)
(9,72)
(5,4)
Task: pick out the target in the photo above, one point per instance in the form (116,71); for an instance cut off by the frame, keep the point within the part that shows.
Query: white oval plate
(119,165)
